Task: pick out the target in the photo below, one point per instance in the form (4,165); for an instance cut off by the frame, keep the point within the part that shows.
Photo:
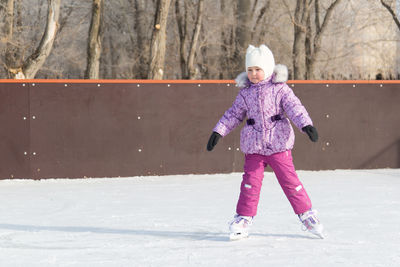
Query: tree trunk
(299,22)
(158,42)
(37,59)
(298,70)
(181,20)
(223,58)
(195,38)
(243,32)
(308,48)
(8,30)
(142,40)
(95,41)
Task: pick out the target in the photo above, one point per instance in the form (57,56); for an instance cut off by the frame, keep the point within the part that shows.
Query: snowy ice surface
(182,221)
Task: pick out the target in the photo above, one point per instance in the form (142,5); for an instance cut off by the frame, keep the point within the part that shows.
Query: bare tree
(307,35)
(359,41)
(259,18)
(34,62)
(7,32)
(392,12)
(313,39)
(187,59)
(8,20)
(182,23)
(158,43)
(243,33)
(299,19)
(226,42)
(142,40)
(95,41)
(195,38)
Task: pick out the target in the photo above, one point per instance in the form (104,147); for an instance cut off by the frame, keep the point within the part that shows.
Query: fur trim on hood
(280,75)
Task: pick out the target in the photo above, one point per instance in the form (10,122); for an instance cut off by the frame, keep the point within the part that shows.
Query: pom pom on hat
(260,57)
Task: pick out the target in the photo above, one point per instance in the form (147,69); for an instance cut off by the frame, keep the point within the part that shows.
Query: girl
(267,138)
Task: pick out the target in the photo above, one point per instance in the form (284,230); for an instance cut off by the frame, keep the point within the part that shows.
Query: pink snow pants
(282,165)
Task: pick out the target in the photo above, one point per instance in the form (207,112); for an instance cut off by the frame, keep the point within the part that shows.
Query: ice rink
(183,221)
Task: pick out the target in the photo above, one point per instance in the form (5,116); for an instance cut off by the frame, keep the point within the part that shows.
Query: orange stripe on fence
(192,81)
(110,81)
(344,81)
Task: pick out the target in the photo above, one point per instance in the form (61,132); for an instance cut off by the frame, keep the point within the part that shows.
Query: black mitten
(213,140)
(311,132)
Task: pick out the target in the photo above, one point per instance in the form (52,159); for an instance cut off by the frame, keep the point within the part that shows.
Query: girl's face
(255,74)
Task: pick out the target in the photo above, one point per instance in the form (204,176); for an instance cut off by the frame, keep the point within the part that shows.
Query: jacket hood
(280,75)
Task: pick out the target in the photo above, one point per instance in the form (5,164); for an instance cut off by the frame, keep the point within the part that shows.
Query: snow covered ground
(182,221)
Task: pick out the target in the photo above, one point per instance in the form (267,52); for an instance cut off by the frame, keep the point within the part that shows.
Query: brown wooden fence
(111,128)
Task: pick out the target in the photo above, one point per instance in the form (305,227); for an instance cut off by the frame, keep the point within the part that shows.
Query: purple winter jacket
(261,102)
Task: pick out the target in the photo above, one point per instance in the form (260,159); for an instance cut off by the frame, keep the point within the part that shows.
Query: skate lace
(239,218)
(306,225)
(309,220)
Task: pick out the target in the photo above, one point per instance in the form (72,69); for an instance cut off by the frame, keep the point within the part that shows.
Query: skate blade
(320,235)
(238,236)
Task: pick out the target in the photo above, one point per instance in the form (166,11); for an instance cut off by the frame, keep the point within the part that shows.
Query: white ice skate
(311,223)
(239,227)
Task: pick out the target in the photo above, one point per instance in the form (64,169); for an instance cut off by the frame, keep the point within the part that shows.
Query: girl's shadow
(200,235)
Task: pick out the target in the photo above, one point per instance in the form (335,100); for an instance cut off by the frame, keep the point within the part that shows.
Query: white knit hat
(260,57)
